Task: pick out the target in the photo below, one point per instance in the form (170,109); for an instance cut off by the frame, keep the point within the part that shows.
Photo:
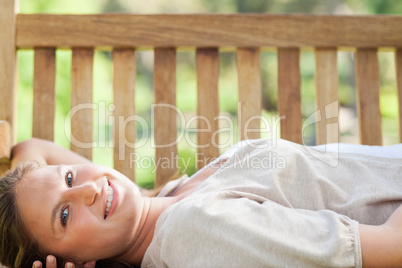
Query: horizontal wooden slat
(44,93)
(124,79)
(81,102)
(165,114)
(207,105)
(327,97)
(208,30)
(368,96)
(250,106)
(289,100)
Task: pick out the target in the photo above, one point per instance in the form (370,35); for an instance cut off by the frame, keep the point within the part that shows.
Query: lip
(105,195)
(115,201)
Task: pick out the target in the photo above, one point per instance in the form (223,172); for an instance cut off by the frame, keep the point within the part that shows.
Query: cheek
(81,229)
(85,226)
(91,239)
(80,240)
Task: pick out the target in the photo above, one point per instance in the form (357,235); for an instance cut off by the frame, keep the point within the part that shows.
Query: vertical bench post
(124,79)
(81,102)
(44,93)
(207,61)
(165,114)
(398,65)
(368,96)
(327,97)
(8,64)
(289,99)
(250,96)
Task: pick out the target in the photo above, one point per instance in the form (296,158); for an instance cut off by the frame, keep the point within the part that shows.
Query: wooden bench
(207,34)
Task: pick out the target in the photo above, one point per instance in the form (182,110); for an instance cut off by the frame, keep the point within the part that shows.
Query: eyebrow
(55,208)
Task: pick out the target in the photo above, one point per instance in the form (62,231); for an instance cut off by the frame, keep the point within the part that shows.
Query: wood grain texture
(289,100)
(165,114)
(327,96)
(5,140)
(5,146)
(250,96)
(8,65)
(398,67)
(207,64)
(208,30)
(124,79)
(81,102)
(44,101)
(368,96)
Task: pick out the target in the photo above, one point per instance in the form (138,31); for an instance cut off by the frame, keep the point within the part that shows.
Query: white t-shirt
(278,204)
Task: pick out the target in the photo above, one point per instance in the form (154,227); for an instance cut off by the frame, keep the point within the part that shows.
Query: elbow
(21,146)
(26,150)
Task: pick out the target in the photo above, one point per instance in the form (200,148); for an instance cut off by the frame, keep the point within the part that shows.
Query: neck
(152,209)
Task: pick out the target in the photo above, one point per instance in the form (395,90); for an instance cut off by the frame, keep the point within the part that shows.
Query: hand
(51,263)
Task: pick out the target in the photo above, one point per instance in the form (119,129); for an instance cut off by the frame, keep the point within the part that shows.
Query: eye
(64,216)
(69,178)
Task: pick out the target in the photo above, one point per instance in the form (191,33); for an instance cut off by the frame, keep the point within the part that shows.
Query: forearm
(381,245)
(44,152)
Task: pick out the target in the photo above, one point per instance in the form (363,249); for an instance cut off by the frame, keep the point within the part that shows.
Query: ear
(89,264)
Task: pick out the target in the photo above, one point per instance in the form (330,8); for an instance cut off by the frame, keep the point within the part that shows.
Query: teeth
(109,200)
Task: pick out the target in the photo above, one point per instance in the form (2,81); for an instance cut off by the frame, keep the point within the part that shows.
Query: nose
(85,193)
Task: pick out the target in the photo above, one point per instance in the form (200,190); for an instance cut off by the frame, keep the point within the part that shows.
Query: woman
(87,188)
(268,203)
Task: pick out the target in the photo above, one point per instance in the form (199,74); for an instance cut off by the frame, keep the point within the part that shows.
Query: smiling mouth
(109,200)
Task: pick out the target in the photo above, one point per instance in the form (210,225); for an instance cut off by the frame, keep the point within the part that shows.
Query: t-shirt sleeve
(225,230)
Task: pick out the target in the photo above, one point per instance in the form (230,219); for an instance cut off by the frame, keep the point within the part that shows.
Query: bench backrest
(208,34)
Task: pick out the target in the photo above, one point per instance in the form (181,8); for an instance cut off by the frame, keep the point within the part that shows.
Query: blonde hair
(17,248)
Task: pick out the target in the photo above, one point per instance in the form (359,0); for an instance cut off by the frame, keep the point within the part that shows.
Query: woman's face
(72,213)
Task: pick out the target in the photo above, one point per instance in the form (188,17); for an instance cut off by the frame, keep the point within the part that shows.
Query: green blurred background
(186,83)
